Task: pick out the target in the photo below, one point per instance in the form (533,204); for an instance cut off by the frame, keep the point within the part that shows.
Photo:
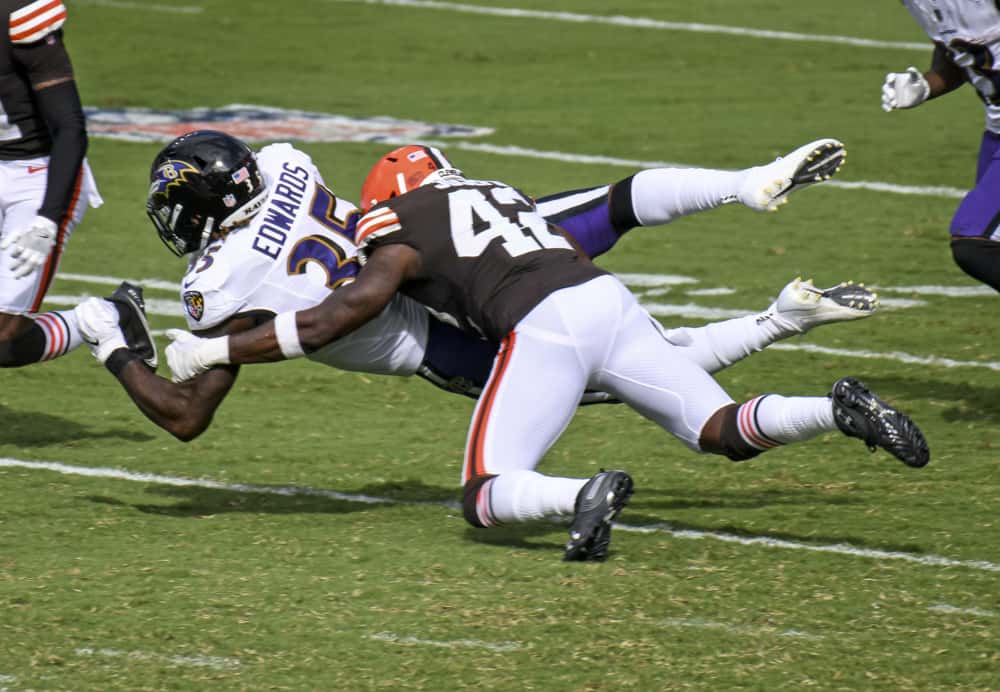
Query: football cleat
(598,503)
(861,414)
(767,187)
(801,306)
(127,299)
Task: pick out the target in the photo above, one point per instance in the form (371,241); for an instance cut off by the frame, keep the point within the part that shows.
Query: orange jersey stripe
(27,17)
(38,28)
(474,463)
(53,261)
(382,221)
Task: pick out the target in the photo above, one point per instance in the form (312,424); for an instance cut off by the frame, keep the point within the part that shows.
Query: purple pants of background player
(975,227)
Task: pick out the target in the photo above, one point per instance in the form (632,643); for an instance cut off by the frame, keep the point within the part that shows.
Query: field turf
(311,538)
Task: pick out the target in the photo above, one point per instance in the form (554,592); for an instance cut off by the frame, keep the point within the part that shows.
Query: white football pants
(595,335)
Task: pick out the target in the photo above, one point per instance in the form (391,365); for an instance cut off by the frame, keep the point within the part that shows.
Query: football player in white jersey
(45,183)
(479,254)
(265,236)
(966,38)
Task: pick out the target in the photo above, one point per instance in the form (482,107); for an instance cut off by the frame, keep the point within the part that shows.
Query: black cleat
(598,503)
(127,298)
(861,414)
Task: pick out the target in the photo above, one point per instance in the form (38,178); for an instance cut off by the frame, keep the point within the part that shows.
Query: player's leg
(27,337)
(526,404)
(799,307)
(529,400)
(597,217)
(651,376)
(975,227)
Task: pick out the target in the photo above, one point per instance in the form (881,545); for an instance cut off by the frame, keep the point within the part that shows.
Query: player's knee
(721,435)
(27,346)
(470,499)
(978,258)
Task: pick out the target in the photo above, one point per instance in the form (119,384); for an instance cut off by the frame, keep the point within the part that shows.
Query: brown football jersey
(30,50)
(487,256)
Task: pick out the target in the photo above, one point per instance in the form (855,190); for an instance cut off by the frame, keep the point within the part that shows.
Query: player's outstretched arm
(294,334)
(184,410)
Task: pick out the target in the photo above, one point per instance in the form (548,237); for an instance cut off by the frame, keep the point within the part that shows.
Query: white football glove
(32,246)
(98,323)
(904,89)
(188,355)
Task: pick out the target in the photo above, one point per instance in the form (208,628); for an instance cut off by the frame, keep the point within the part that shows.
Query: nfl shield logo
(229,200)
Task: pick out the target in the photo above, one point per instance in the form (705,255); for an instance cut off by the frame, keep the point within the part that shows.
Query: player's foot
(767,187)
(127,299)
(598,503)
(861,414)
(801,306)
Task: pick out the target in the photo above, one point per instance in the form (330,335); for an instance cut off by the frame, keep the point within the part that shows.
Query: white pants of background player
(22,188)
(597,336)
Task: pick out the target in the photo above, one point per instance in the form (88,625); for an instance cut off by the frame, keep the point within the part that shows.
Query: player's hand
(99,328)
(904,89)
(188,355)
(32,246)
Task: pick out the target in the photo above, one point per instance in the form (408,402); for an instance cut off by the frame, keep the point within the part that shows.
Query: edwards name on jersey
(289,257)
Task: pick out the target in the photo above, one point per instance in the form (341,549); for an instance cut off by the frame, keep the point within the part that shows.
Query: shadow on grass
(192,501)
(36,429)
(973,399)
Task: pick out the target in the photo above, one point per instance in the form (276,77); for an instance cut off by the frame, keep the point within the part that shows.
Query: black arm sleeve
(59,106)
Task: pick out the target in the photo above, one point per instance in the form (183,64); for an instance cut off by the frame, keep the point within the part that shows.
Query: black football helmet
(200,183)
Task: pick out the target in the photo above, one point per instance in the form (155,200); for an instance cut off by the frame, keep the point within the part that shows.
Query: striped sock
(771,420)
(62,333)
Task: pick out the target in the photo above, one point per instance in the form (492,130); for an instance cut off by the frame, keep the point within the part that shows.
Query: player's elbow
(187,428)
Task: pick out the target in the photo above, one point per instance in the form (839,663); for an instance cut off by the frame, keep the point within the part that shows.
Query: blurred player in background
(478,255)
(264,235)
(966,38)
(45,182)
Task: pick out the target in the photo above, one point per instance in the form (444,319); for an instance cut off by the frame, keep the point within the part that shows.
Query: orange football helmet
(402,170)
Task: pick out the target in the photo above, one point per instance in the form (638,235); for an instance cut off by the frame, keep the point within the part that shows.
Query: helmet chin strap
(244,213)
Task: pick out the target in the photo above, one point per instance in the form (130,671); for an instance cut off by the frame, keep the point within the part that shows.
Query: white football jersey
(970,30)
(289,257)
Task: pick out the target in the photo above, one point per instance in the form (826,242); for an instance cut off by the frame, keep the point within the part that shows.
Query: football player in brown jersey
(45,183)
(478,255)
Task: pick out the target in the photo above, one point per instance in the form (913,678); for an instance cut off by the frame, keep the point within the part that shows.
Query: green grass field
(311,540)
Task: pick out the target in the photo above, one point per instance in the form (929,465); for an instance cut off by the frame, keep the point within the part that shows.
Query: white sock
(62,333)
(517,496)
(660,195)
(720,344)
(771,419)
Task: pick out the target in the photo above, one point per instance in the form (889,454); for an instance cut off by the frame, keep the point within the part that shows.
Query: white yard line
(741,630)
(197,661)
(148,6)
(955,610)
(645,23)
(871,186)
(445,644)
(895,356)
(763,541)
